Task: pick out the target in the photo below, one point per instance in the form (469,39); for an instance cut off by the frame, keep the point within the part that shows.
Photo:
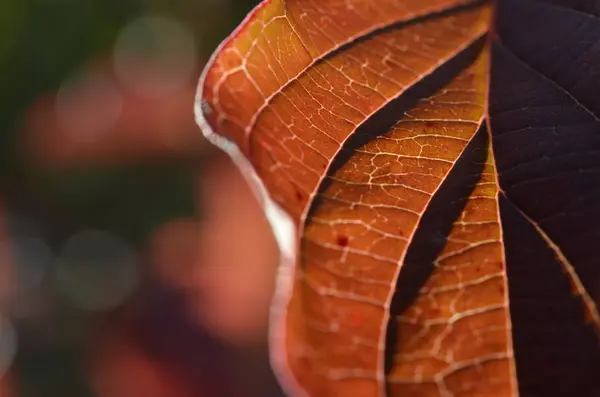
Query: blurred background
(134,260)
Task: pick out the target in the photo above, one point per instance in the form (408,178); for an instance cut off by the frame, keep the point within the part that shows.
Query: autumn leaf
(438,163)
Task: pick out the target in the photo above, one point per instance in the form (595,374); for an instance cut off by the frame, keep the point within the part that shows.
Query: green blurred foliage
(42,42)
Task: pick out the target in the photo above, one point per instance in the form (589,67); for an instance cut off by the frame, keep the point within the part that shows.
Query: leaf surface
(443,180)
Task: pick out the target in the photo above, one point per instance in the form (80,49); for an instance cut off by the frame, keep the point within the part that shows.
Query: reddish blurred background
(134,260)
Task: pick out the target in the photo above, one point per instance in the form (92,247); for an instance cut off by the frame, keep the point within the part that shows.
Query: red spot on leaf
(342,241)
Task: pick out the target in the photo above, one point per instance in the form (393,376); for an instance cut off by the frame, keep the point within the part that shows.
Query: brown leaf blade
(444,214)
(455,338)
(359,228)
(282,38)
(294,139)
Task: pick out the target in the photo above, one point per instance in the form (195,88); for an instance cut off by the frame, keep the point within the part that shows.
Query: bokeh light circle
(8,344)
(32,258)
(155,55)
(96,270)
(88,105)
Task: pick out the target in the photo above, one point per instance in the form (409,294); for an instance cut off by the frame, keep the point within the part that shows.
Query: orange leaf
(404,144)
